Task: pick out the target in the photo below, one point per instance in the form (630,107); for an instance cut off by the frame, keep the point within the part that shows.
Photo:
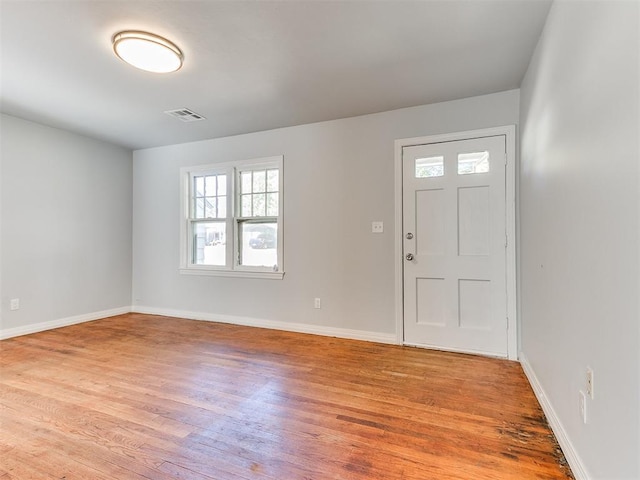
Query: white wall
(66,225)
(579,211)
(339,177)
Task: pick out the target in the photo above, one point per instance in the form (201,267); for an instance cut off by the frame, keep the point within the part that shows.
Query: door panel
(430,232)
(454,228)
(473,221)
(430,296)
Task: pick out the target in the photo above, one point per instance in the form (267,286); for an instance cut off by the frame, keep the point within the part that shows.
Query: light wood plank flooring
(149,397)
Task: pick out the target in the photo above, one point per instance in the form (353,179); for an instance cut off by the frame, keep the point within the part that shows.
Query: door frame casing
(509,131)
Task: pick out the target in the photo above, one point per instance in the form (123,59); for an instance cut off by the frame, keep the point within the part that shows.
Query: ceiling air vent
(185,115)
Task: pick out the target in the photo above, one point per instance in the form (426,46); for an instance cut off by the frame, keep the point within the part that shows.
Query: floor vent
(185,115)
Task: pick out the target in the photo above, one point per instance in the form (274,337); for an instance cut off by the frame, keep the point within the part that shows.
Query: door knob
(409,236)
(409,256)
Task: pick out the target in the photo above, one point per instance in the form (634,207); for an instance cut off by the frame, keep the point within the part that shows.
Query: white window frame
(233,268)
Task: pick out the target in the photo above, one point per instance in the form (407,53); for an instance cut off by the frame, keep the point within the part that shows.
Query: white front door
(454,245)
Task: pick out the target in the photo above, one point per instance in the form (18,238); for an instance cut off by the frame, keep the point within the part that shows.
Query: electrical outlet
(590,382)
(583,407)
(14,304)
(377,227)
(316,303)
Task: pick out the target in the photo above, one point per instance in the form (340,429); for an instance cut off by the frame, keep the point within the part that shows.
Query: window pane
(210,207)
(429,167)
(272,204)
(259,181)
(477,162)
(245,182)
(259,245)
(259,205)
(209,241)
(222,184)
(246,206)
(272,180)
(222,207)
(210,186)
(199,208)
(199,186)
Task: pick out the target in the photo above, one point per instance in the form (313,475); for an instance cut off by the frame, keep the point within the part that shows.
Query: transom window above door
(467,163)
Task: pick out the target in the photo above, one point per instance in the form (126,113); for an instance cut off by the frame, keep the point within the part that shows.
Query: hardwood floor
(148,397)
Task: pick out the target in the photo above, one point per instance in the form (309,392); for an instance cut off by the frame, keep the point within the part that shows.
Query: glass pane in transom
(429,167)
(475,162)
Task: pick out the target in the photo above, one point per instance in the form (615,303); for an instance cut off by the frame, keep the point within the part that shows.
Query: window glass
(210,207)
(246,205)
(259,193)
(429,167)
(259,244)
(209,239)
(476,162)
(199,186)
(258,205)
(259,181)
(222,207)
(245,185)
(222,185)
(210,182)
(272,180)
(199,208)
(209,199)
(272,204)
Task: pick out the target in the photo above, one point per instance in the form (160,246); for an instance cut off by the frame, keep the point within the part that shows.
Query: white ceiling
(257,65)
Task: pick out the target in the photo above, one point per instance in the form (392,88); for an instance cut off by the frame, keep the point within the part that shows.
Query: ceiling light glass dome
(147,51)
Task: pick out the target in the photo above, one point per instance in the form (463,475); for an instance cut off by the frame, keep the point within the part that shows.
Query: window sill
(232,273)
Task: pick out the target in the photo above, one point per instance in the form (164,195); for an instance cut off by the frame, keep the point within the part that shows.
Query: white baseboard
(273,324)
(389,338)
(570,453)
(62,322)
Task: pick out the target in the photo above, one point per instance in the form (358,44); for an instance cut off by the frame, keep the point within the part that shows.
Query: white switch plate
(316,303)
(589,382)
(377,227)
(14,304)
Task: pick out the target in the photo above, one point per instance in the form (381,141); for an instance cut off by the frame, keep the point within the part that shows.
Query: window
(430,167)
(232,219)
(476,162)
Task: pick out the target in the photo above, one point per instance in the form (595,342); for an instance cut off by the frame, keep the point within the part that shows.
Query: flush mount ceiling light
(147,51)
